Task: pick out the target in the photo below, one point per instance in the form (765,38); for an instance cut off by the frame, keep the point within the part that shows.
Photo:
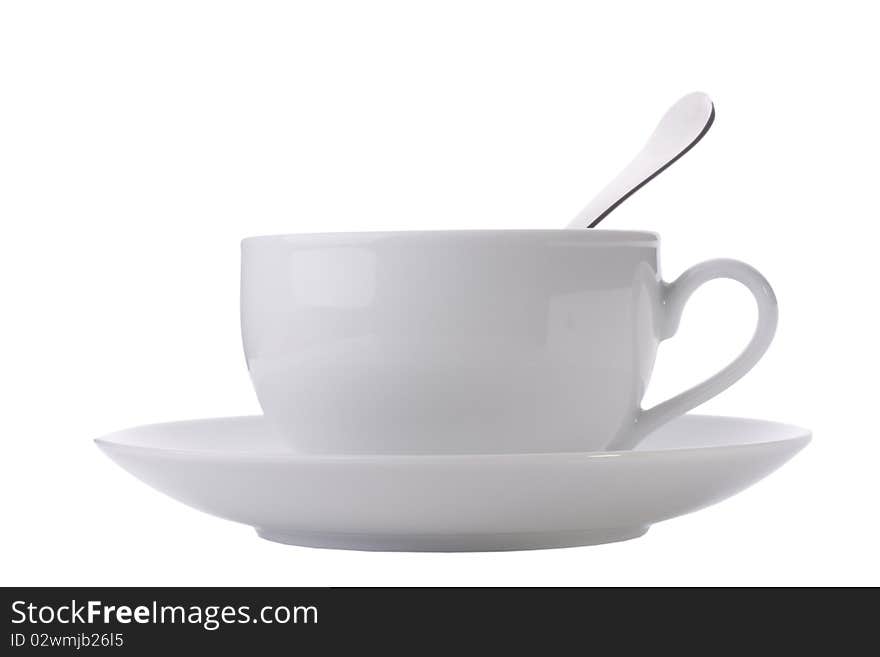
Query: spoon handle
(683,125)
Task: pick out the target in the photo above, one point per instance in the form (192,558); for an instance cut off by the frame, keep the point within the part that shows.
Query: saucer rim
(799,438)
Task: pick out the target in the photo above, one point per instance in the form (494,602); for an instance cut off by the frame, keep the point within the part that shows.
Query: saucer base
(237,469)
(452,542)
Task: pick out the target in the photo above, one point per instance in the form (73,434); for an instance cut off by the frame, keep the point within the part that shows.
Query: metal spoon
(683,125)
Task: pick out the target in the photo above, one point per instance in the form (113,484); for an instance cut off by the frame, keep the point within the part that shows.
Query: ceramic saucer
(237,469)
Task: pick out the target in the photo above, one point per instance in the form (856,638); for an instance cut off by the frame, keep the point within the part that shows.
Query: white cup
(470,341)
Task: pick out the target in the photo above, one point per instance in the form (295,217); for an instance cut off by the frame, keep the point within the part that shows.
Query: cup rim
(585,236)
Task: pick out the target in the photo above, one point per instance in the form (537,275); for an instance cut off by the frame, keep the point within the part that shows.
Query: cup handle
(675,295)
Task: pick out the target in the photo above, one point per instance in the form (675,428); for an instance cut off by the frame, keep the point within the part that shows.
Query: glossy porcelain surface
(468,341)
(239,469)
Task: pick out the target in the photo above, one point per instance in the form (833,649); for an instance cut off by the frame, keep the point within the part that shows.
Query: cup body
(451,341)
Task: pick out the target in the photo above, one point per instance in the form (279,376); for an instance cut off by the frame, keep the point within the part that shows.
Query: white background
(139,141)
